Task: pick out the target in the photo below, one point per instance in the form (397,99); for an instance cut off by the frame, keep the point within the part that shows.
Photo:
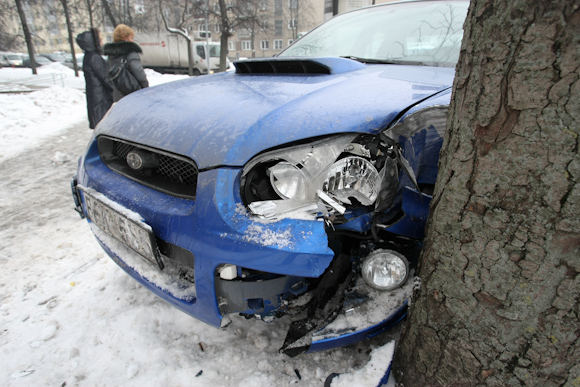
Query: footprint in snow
(47,333)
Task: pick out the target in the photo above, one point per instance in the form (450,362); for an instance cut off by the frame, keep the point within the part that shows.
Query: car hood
(226,119)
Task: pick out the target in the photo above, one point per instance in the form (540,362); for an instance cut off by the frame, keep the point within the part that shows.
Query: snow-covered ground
(70,316)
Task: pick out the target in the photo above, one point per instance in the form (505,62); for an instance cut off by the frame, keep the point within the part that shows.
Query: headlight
(353,177)
(288,181)
(385,269)
(328,173)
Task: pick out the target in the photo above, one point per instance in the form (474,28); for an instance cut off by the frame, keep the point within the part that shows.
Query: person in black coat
(124,48)
(98,87)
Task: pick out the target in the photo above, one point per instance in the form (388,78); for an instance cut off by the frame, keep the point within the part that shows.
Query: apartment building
(277,23)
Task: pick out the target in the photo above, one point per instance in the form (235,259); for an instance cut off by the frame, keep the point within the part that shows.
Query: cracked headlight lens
(307,180)
(353,177)
(288,181)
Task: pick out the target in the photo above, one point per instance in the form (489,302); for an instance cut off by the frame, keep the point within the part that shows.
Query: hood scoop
(284,66)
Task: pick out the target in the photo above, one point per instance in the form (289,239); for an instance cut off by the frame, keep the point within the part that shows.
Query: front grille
(172,174)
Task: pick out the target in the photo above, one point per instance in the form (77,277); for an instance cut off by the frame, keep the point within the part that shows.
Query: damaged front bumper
(278,264)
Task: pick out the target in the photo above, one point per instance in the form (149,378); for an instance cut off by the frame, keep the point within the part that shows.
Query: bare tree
(298,12)
(498,303)
(27,36)
(252,19)
(91,4)
(240,14)
(294,8)
(181,30)
(109,12)
(70,35)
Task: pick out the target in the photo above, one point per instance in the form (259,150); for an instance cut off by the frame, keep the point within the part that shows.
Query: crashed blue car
(297,186)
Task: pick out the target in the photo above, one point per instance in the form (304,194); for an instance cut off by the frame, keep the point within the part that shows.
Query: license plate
(122,224)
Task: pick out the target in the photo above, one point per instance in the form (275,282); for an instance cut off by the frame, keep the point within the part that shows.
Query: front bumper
(214,229)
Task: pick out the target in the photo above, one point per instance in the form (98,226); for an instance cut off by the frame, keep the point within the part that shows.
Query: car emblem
(134,160)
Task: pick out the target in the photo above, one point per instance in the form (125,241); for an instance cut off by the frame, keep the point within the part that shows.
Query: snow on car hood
(228,118)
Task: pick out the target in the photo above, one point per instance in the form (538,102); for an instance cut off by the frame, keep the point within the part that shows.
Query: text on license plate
(122,224)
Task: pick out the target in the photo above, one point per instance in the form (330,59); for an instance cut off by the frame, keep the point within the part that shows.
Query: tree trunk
(189,57)
(70,36)
(109,13)
(90,10)
(500,285)
(225,35)
(27,36)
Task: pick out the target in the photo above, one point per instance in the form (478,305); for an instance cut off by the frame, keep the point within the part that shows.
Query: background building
(261,28)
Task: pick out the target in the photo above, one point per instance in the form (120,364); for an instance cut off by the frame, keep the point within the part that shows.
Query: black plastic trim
(157,181)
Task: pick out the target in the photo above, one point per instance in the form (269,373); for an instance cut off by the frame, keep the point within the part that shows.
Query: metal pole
(207,56)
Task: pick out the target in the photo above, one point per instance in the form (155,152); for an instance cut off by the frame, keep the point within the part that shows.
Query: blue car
(297,186)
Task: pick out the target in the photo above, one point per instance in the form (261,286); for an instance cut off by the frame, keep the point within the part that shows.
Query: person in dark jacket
(124,48)
(99,90)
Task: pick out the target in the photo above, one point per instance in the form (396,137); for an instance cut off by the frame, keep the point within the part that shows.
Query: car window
(426,33)
(200,51)
(214,51)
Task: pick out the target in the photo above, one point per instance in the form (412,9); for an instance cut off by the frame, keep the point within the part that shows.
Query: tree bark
(225,34)
(500,268)
(27,36)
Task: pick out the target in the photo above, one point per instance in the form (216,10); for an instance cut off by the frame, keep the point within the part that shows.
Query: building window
(244,33)
(278,27)
(292,4)
(277,44)
(265,44)
(231,45)
(217,27)
(246,45)
(278,7)
(291,24)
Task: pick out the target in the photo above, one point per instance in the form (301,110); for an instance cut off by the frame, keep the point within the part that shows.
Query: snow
(265,237)
(69,315)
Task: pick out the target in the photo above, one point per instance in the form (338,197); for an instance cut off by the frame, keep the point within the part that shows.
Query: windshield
(214,50)
(423,33)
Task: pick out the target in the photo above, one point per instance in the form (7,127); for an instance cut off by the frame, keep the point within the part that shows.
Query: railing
(36,82)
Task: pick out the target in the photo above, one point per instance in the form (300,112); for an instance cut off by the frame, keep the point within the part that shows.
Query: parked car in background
(297,185)
(56,57)
(39,60)
(69,61)
(14,60)
(3,61)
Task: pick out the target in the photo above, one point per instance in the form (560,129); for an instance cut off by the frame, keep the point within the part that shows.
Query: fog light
(385,269)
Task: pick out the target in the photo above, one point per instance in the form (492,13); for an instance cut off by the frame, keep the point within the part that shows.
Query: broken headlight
(353,177)
(311,180)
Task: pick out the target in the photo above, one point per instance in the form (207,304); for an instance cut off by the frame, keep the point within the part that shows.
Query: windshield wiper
(383,61)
